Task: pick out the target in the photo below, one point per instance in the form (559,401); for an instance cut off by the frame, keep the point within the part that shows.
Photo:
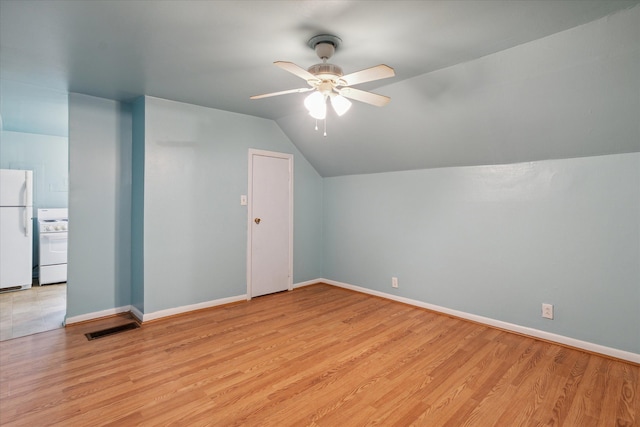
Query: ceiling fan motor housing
(326,71)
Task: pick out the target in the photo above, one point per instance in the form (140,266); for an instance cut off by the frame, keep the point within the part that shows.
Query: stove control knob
(57,227)
(64,226)
(47,228)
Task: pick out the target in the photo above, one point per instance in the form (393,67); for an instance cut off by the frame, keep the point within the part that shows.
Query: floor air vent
(110,331)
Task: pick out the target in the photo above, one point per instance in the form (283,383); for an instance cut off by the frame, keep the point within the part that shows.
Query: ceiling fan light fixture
(340,104)
(325,50)
(316,104)
(319,114)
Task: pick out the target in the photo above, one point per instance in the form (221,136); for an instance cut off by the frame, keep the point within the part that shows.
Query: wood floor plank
(316,356)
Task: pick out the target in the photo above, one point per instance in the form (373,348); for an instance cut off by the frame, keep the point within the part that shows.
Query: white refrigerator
(16,228)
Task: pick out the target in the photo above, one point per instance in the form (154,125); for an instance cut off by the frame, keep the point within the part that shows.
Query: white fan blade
(367,75)
(284,92)
(364,96)
(296,69)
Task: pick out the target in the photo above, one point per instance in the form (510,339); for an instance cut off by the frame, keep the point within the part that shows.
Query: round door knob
(257,220)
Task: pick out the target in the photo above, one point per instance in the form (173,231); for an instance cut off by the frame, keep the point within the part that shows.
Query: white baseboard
(307,283)
(187,308)
(145,317)
(97,315)
(137,313)
(535,333)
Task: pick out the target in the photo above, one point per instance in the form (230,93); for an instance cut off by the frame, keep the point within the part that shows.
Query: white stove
(53,225)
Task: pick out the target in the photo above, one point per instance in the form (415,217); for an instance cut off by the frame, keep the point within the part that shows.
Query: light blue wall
(497,241)
(171,229)
(195,230)
(26,108)
(99,270)
(47,156)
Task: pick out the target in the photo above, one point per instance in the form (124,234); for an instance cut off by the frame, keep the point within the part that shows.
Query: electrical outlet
(547,311)
(394,282)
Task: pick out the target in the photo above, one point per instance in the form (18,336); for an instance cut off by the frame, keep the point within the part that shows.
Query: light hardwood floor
(317,356)
(34,310)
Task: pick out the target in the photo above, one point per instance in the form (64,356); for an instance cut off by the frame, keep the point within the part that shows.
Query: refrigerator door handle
(28,178)
(27,222)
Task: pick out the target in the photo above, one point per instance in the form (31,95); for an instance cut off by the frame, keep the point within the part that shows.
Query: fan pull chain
(325,126)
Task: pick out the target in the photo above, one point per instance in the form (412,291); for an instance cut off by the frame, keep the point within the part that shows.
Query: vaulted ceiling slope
(477,82)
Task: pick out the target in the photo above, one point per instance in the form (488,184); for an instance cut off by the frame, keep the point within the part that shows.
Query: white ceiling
(218,53)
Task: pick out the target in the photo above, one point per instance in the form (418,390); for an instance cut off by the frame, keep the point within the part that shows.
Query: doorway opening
(35,129)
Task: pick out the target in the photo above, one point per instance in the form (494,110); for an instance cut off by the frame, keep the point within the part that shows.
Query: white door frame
(255,152)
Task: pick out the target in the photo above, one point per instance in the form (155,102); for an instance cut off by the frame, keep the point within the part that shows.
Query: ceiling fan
(328,82)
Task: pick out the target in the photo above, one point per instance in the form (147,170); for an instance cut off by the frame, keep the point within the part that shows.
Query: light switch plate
(243,200)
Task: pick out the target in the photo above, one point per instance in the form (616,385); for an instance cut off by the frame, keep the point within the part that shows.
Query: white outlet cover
(547,311)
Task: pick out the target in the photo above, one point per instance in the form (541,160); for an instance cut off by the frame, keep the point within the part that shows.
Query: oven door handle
(54,236)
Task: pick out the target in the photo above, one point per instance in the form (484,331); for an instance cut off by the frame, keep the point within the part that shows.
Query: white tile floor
(39,309)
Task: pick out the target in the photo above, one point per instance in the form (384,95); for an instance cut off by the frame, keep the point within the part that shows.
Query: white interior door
(270,252)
